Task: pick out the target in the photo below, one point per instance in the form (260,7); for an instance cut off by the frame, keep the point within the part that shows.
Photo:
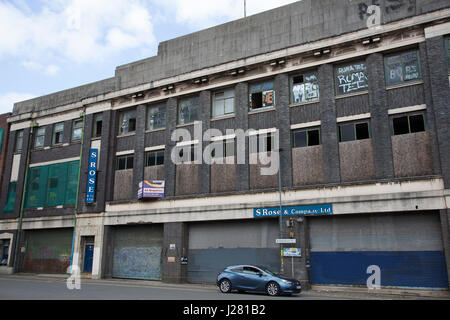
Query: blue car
(252,278)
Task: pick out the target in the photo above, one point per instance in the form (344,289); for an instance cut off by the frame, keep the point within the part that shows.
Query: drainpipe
(75,212)
(22,204)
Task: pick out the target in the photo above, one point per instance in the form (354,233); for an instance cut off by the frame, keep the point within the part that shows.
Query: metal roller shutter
(406,246)
(137,252)
(47,251)
(215,245)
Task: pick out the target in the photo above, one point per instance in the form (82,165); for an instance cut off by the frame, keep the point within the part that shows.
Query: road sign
(292,252)
(286,241)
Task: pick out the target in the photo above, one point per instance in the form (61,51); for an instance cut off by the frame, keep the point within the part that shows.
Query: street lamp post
(281,211)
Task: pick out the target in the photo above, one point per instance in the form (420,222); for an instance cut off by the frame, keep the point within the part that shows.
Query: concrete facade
(384,174)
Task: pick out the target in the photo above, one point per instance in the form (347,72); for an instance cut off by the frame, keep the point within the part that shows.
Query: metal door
(88,258)
(137,252)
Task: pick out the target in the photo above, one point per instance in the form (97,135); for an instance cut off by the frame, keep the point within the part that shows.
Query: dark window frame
(401,55)
(337,83)
(192,109)
(354,124)
(225,98)
(225,142)
(270,136)
(75,127)
(307,131)
(304,75)
(19,137)
(255,93)
(58,134)
(98,119)
(408,116)
(41,130)
(154,153)
(131,122)
(162,110)
(129,160)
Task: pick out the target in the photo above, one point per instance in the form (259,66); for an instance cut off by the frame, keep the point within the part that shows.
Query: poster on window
(268,98)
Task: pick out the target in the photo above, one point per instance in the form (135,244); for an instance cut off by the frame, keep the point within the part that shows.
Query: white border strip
(187,143)
(306,125)
(261,131)
(353,118)
(221,138)
(124,153)
(20,126)
(407,109)
(41,164)
(439,30)
(162,147)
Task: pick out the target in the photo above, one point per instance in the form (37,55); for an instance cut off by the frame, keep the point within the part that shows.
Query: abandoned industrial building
(362,116)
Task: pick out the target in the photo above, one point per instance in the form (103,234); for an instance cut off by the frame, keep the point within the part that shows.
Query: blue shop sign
(92,176)
(320,209)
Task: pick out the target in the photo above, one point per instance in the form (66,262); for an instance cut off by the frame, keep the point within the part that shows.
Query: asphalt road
(25,287)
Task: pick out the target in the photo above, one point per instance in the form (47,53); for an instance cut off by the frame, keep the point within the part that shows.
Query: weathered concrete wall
(307,167)
(257,180)
(356,160)
(154,173)
(412,155)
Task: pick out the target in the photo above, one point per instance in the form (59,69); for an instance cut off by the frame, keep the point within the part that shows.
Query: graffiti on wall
(371,10)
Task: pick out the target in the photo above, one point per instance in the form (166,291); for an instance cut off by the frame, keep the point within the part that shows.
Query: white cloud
(205,13)
(8,99)
(75,30)
(50,70)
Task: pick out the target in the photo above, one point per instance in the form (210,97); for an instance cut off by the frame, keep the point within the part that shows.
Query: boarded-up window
(261,95)
(304,88)
(402,67)
(350,78)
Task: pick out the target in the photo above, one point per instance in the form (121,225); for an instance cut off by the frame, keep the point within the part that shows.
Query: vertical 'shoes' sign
(92,176)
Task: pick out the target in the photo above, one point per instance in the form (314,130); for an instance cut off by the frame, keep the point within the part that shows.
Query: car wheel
(273,289)
(225,286)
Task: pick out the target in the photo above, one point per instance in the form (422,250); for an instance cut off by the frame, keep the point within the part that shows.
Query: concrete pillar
(169,166)
(241,100)
(111,131)
(204,172)
(380,125)
(175,246)
(329,129)
(139,149)
(440,96)
(284,126)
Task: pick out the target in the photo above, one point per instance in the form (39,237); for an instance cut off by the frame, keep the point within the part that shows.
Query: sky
(52,45)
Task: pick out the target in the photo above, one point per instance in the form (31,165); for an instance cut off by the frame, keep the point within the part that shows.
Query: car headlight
(286,281)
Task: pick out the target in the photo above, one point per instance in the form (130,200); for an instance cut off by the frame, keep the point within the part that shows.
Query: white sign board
(292,252)
(286,241)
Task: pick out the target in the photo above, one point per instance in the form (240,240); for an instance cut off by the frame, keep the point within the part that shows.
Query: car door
(252,278)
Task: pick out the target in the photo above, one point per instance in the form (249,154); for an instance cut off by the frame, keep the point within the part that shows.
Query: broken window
(305,138)
(39,139)
(156,117)
(127,122)
(402,67)
(58,133)
(304,88)
(261,95)
(98,123)
(77,129)
(188,110)
(408,124)
(354,131)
